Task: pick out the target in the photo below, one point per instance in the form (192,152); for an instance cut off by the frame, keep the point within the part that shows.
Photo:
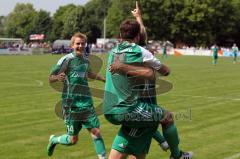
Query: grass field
(210,93)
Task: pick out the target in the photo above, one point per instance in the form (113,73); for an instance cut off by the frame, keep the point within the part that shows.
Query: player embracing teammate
(128,65)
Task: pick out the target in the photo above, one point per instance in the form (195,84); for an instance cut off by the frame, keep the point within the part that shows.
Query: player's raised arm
(137,14)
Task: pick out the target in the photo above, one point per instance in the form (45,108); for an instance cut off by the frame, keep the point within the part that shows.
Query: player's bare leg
(114,154)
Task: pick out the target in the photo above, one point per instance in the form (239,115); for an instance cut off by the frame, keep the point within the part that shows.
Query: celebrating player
(73,70)
(149,85)
(122,104)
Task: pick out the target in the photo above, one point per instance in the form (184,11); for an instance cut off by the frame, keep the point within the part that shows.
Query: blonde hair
(78,35)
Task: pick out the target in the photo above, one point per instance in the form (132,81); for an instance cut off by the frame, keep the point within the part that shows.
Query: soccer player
(149,85)
(122,105)
(164,50)
(235,52)
(77,105)
(214,49)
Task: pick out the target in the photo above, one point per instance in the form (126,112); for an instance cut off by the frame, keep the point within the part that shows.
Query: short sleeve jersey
(75,87)
(215,51)
(234,49)
(120,93)
(164,50)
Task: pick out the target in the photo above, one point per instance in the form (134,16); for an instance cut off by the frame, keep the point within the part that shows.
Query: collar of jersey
(123,46)
(75,55)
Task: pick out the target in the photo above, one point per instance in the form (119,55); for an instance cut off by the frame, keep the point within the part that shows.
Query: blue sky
(7,6)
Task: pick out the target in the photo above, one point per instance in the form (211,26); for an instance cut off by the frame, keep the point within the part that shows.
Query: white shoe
(164,146)
(185,155)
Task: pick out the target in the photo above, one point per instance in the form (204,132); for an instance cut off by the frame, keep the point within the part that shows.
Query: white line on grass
(234,156)
(235,99)
(37,83)
(40,83)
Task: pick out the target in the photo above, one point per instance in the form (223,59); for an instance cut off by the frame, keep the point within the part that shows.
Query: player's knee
(116,154)
(168,120)
(95,133)
(141,156)
(73,139)
(132,157)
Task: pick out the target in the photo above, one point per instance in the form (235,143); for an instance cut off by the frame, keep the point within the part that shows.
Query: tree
(58,21)
(119,11)
(19,23)
(158,16)
(73,22)
(2,25)
(89,20)
(188,22)
(191,22)
(96,11)
(222,20)
(236,33)
(190,25)
(42,23)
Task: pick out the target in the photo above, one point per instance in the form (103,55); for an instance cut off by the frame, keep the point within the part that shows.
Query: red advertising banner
(36,37)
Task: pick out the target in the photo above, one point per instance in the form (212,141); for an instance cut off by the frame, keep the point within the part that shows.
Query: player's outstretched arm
(96,76)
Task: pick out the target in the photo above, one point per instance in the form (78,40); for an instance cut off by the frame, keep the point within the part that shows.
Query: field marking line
(235,99)
(38,83)
(233,156)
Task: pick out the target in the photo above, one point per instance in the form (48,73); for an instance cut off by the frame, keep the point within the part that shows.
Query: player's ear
(71,44)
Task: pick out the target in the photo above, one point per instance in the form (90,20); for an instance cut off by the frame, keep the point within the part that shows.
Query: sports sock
(100,147)
(171,135)
(158,137)
(64,140)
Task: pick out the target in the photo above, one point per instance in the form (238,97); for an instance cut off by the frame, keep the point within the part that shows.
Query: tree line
(183,22)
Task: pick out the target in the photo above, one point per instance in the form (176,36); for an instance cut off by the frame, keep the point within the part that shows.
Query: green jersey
(121,93)
(76,93)
(215,51)
(235,49)
(164,49)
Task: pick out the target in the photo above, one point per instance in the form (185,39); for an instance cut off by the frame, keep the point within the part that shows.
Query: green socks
(64,140)
(98,142)
(171,135)
(100,147)
(158,137)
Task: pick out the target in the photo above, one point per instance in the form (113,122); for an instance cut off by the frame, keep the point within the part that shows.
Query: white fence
(199,52)
(25,51)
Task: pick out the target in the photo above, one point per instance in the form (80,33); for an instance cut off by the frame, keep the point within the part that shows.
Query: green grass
(211,93)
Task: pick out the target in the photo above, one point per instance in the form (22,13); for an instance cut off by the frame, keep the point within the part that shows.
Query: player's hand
(61,77)
(114,67)
(103,80)
(164,70)
(136,12)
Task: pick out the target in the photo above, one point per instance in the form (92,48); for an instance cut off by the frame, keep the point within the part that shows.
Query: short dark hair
(129,29)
